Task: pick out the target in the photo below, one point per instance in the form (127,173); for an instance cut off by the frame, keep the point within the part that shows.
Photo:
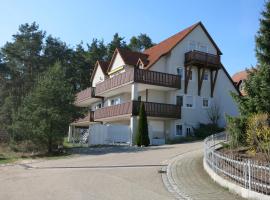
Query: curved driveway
(103,173)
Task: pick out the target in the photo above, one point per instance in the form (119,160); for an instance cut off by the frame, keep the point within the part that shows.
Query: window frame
(182,132)
(181,96)
(208,99)
(183,72)
(185,101)
(116,99)
(188,133)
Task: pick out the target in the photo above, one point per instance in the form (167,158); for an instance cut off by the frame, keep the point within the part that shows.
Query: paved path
(194,182)
(103,173)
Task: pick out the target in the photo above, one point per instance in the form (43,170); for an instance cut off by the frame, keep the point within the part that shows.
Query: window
(179,130)
(115,101)
(188,131)
(205,76)
(179,100)
(192,45)
(139,98)
(180,72)
(99,105)
(205,103)
(189,102)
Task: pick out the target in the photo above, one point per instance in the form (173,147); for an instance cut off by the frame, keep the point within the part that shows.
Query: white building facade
(178,80)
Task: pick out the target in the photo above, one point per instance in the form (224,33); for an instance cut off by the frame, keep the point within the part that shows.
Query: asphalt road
(101,173)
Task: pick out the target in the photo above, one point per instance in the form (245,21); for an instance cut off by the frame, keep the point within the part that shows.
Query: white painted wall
(98,77)
(108,134)
(191,117)
(118,61)
(156,128)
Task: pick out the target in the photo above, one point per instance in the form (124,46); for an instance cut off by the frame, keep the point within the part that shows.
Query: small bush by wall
(205,130)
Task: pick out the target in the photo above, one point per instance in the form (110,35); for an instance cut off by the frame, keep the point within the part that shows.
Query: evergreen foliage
(142,138)
(257,86)
(46,111)
(23,62)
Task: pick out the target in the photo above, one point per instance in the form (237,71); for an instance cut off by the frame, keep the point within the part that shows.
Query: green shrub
(205,130)
(236,127)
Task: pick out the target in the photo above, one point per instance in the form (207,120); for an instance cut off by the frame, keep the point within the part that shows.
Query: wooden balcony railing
(202,58)
(112,111)
(85,94)
(132,107)
(158,109)
(139,76)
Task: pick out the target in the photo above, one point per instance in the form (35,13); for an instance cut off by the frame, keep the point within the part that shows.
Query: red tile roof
(129,57)
(164,47)
(242,75)
(104,65)
(152,55)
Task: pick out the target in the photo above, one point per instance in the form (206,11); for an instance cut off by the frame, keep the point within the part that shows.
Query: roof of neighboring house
(129,57)
(239,76)
(164,47)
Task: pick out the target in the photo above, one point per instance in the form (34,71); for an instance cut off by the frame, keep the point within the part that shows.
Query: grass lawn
(7,155)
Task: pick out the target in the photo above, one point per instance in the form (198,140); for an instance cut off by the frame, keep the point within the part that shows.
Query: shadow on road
(101,150)
(100,167)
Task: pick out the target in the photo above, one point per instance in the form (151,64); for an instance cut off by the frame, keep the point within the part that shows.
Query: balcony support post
(213,79)
(133,129)
(200,79)
(187,77)
(134,91)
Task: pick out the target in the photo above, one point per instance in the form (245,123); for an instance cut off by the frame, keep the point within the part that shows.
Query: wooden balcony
(86,94)
(198,58)
(132,108)
(139,76)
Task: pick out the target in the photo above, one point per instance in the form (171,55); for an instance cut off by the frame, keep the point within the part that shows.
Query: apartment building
(178,80)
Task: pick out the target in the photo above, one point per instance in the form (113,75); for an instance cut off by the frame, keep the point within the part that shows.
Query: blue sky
(232,23)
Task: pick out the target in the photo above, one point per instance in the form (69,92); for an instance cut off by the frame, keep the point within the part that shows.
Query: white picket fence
(250,174)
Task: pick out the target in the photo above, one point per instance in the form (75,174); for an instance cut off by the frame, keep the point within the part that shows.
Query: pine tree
(117,42)
(142,137)
(46,112)
(257,86)
(140,43)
